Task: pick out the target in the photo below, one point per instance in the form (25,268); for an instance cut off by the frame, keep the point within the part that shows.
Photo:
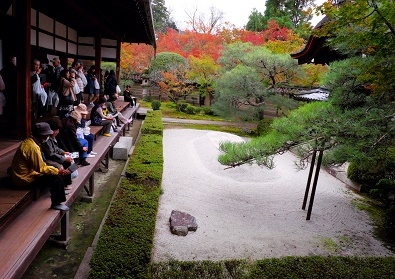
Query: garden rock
(181,223)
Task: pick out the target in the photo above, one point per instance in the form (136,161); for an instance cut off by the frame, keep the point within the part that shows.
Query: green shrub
(263,126)
(384,190)
(369,171)
(155,104)
(182,105)
(153,123)
(207,110)
(149,98)
(389,221)
(190,110)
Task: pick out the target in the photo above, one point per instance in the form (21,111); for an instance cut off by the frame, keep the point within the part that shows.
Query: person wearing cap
(68,140)
(81,109)
(29,169)
(53,154)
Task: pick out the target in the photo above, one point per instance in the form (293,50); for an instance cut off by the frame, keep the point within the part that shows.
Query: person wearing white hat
(84,130)
(68,140)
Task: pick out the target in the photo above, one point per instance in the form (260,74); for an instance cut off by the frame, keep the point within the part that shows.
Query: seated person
(67,138)
(53,154)
(99,119)
(29,169)
(127,96)
(110,104)
(81,108)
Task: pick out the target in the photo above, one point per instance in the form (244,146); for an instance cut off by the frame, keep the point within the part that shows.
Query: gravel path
(251,212)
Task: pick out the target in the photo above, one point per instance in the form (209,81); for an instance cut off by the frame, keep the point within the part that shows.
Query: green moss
(125,243)
(329,244)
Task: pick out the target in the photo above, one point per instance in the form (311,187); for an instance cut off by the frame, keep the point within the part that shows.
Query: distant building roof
(316,94)
(316,51)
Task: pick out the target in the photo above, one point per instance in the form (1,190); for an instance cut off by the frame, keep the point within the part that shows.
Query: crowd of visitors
(62,142)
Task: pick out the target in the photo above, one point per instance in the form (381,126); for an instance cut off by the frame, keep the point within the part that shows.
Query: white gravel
(251,212)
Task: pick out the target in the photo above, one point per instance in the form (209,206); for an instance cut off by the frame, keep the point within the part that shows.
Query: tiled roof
(316,94)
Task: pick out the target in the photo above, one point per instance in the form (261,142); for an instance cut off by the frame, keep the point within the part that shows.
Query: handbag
(67,94)
(118,89)
(97,85)
(97,120)
(77,89)
(39,90)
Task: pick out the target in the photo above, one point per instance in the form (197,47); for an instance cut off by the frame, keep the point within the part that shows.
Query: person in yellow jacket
(28,167)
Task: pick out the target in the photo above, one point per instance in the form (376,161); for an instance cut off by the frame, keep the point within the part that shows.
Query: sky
(235,12)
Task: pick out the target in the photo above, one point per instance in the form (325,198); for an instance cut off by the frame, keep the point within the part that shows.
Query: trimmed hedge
(126,240)
(286,267)
(153,123)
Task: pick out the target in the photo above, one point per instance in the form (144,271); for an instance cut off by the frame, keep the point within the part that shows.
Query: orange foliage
(136,57)
(190,43)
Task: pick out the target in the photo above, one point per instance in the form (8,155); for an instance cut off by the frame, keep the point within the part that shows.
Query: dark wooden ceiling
(129,21)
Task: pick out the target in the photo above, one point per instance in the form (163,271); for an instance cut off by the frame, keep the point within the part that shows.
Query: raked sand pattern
(250,212)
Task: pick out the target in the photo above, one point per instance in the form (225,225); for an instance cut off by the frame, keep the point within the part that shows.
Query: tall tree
(205,23)
(250,79)
(169,72)
(255,21)
(161,16)
(204,71)
(292,14)
(357,122)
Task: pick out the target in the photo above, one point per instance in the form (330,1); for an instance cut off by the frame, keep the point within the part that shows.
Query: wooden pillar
(98,58)
(118,62)
(65,227)
(22,12)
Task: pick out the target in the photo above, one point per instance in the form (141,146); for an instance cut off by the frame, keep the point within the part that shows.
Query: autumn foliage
(135,57)
(203,50)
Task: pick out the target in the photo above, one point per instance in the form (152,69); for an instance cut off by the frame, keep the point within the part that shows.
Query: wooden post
(64,227)
(22,12)
(317,172)
(98,58)
(306,193)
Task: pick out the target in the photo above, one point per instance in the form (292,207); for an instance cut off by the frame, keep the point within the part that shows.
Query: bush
(208,111)
(155,105)
(182,106)
(190,110)
(384,190)
(149,98)
(389,222)
(369,171)
(263,126)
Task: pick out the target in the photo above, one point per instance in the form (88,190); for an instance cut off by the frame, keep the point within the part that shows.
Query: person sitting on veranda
(28,168)
(68,140)
(99,119)
(127,96)
(54,155)
(86,134)
(110,104)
